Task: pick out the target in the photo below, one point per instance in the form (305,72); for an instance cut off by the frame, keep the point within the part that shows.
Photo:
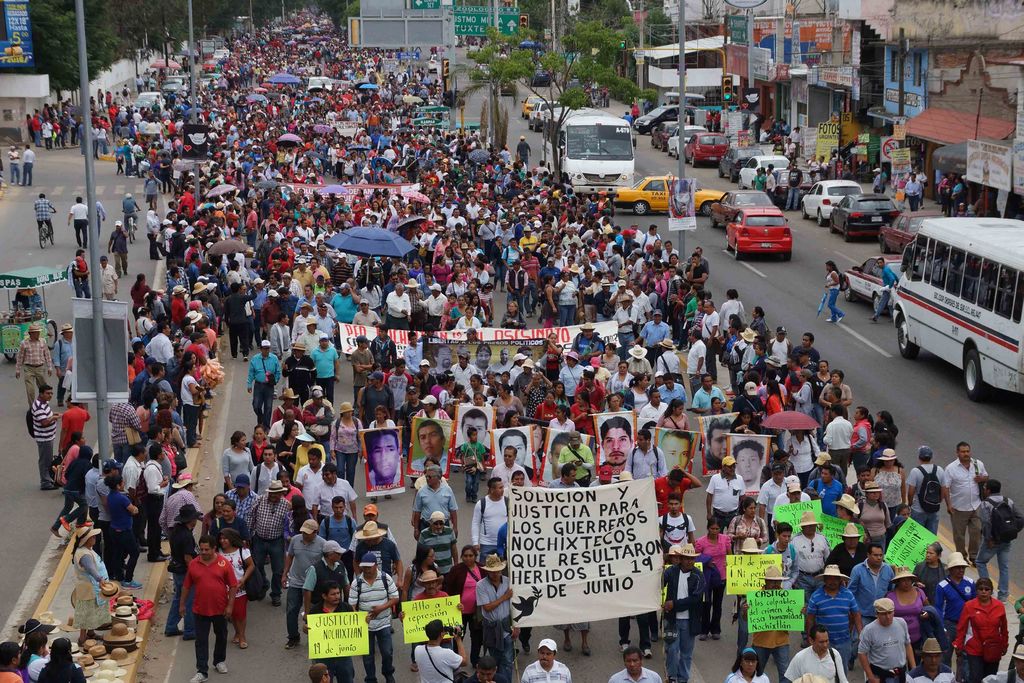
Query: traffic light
(727,93)
(524,21)
(444,73)
(622,44)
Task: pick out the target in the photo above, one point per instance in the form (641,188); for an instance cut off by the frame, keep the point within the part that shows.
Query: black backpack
(1006,522)
(30,423)
(929,493)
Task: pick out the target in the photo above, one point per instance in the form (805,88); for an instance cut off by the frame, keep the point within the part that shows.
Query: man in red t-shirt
(678,481)
(73,420)
(212,579)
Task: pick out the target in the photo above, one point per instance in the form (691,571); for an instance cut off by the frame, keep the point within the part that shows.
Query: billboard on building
(16,35)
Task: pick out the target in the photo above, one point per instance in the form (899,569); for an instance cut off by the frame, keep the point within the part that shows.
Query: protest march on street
(404,405)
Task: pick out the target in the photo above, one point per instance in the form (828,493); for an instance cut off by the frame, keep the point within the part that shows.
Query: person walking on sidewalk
(1001,522)
(183,551)
(210,581)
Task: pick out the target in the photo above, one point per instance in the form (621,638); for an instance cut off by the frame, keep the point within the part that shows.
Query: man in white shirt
(634,672)
(695,359)
(819,659)
(839,431)
(724,491)
(435,304)
(489,514)
(547,669)
(398,308)
(160,347)
(963,499)
(507,467)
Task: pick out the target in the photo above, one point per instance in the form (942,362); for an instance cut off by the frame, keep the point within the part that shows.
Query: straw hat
(956,560)
(808,519)
(903,573)
(120,636)
(47,619)
(122,656)
(625,476)
(1018,652)
(750,547)
(345,407)
(871,485)
(494,564)
(667,344)
(887,454)
(748,335)
(811,678)
(184,479)
(833,571)
(932,647)
(111,669)
(850,531)
(675,550)
(288,393)
(688,551)
(370,530)
(772,573)
(848,502)
(638,352)
(125,600)
(124,611)
(428,576)
(98,652)
(84,533)
(277,487)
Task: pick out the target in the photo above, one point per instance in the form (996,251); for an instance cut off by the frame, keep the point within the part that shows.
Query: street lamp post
(681,169)
(193,111)
(95,244)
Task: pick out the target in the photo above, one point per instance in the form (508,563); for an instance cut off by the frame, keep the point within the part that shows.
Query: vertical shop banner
(1018,166)
(596,546)
(16,40)
(681,214)
(989,164)
(827,140)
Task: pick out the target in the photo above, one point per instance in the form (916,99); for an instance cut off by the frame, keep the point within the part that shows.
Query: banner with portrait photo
(520,438)
(469,415)
(616,435)
(382,458)
(713,431)
(546,468)
(751,452)
(429,439)
(679,446)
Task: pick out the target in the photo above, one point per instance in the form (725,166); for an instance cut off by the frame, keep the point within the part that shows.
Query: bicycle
(45,229)
(130,223)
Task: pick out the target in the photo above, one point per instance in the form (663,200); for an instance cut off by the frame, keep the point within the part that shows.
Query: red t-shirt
(211,582)
(73,420)
(662,488)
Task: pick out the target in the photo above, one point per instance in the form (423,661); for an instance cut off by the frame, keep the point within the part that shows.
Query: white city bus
(597,151)
(960,298)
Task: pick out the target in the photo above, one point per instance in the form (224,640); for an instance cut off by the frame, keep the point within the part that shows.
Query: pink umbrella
(290,139)
(789,419)
(260,91)
(417,197)
(161,64)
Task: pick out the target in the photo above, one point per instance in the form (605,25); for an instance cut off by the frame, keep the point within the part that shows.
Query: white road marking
(100,189)
(842,255)
(746,265)
(864,340)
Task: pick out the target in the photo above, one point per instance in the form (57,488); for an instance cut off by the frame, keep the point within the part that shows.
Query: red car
(706,148)
(895,237)
(759,230)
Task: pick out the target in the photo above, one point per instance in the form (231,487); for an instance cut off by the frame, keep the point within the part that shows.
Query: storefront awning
(951,158)
(948,127)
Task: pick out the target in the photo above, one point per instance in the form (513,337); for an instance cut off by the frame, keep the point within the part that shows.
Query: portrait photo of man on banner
(679,445)
(521,439)
(430,439)
(382,456)
(546,467)
(469,415)
(616,434)
(751,452)
(714,429)
(681,214)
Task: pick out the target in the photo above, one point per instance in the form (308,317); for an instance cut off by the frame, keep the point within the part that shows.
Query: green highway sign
(474,20)
(424,4)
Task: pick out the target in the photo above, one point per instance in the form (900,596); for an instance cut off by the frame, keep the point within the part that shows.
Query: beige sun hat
(370,530)
(956,560)
(849,503)
(750,547)
(903,573)
(850,531)
(833,571)
(808,519)
(688,551)
(494,564)
(772,573)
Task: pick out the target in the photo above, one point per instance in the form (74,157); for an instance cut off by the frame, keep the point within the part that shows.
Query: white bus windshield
(599,142)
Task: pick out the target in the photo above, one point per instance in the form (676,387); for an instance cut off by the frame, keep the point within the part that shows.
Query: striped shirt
(559,673)
(834,612)
(364,595)
(41,414)
(442,545)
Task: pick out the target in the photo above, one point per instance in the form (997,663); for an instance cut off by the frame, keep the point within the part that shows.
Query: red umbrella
(789,419)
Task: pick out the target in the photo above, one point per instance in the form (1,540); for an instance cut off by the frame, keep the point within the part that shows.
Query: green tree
(592,50)
(55,41)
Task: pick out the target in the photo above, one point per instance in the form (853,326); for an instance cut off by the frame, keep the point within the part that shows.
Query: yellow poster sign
(419,613)
(745,573)
(338,634)
(828,139)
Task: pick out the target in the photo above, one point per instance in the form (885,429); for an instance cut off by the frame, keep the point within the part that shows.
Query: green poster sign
(736,24)
(775,610)
(908,546)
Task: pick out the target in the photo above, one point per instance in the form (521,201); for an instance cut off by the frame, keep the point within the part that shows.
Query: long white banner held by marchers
(596,547)
(607,330)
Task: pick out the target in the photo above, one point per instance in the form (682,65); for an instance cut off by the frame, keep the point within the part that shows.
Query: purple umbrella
(333,189)
(322,128)
(289,139)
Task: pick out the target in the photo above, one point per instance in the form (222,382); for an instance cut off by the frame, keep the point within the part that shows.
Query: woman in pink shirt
(716,546)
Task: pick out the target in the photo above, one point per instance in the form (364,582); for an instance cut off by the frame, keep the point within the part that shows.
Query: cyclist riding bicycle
(130,208)
(44,212)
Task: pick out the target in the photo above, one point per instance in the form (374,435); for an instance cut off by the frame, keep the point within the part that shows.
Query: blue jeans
(486,550)
(680,653)
(779,654)
(191,419)
(566,315)
(346,463)
(793,199)
(15,174)
(340,668)
(71,499)
(173,614)
(845,651)
(531,298)
(1001,551)
(883,303)
(26,176)
(275,549)
(293,604)
(379,639)
(472,486)
(82,287)
(834,312)
(915,201)
(504,656)
(929,520)
(263,402)
(626,340)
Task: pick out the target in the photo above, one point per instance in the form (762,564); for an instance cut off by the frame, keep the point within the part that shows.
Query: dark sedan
(662,132)
(729,165)
(725,210)
(862,215)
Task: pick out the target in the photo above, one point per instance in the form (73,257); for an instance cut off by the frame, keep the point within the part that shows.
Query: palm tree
(493,117)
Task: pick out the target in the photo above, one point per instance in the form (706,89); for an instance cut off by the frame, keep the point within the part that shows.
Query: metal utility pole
(750,53)
(902,62)
(193,111)
(252,19)
(95,244)
(641,64)
(681,169)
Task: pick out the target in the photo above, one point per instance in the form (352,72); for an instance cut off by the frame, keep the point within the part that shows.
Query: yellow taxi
(651,194)
(529,103)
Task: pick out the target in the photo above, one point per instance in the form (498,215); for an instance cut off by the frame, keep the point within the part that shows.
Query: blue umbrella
(368,86)
(284,79)
(370,242)
(358,148)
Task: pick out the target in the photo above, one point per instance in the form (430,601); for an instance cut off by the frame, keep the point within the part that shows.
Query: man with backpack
(1001,523)
(927,487)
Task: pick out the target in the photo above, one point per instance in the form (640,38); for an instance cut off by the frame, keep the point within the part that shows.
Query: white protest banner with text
(596,546)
